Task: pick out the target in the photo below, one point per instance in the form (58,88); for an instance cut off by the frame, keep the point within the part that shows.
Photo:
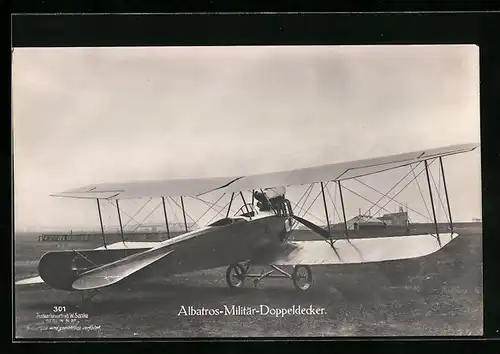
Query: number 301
(59,309)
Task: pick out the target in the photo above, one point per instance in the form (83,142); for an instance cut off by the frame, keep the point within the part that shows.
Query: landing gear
(302,277)
(237,273)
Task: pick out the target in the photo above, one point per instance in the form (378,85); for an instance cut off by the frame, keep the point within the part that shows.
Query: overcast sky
(90,115)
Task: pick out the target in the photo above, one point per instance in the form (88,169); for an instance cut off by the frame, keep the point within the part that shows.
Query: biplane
(257,234)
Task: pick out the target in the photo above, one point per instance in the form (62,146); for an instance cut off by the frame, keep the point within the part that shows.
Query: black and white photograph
(247,191)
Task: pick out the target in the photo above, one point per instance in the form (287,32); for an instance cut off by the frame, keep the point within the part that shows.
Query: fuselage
(226,241)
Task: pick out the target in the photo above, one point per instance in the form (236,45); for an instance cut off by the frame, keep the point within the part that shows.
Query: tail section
(59,269)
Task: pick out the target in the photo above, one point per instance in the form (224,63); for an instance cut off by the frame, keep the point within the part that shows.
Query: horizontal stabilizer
(114,272)
(30,281)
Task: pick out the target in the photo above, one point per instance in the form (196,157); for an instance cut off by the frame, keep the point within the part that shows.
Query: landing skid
(238,272)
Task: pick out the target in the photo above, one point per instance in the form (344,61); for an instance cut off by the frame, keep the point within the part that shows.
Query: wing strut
(326,212)
(244,203)
(184,214)
(100,220)
(432,201)
(230,203)
(120,221)
(343,210)
(446,193)
(166,218)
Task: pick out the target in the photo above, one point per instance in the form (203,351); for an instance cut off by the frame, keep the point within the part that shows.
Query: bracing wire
(391,199)
(122,212)
(210,207)
(173,211)
(189,216)
(359,195)
(301,208)
(227,204)
(414,179)
(147,216)
(208,202)
(420,191)
(138,211)
(439,197)
(392,188)
(334,204)
(305,192)
(307,211)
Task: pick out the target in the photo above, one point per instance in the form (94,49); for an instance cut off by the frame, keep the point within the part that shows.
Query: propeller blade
(323,233)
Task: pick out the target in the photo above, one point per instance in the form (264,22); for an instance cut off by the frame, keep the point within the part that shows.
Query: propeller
(313,227)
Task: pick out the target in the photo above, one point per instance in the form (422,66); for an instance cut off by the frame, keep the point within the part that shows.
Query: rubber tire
(309,277)
(228,275)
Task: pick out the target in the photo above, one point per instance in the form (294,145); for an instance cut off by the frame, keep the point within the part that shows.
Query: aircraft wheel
(235,276)
(302,277)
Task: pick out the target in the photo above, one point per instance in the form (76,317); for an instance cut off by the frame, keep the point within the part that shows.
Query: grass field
(437,295)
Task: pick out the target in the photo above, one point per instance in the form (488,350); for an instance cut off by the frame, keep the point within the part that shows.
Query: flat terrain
(437,295)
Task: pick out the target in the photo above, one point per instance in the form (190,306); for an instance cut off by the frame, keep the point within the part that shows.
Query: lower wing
(353,251)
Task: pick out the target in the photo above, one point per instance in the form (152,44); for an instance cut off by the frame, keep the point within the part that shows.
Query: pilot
(271,198)
(262,202)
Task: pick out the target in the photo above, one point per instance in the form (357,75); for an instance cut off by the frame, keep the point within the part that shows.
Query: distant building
(399,219)
(160,227)
(361,222)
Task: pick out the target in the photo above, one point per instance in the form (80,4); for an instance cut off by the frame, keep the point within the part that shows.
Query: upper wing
(343,170)
(195,187)
(362,250)
(166,188)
